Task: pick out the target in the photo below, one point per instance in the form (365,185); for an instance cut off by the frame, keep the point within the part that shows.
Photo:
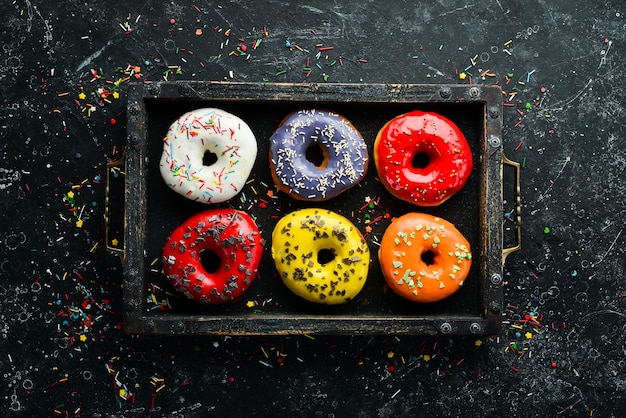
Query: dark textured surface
(561,353)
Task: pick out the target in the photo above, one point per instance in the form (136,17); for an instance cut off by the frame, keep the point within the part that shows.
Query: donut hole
(428,257)
(209,158)
(420,160)
(316,155)
(210,261)
(325,256)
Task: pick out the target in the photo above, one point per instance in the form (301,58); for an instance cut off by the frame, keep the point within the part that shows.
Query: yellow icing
(297,241)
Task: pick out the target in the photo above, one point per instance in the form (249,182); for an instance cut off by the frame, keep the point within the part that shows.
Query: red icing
(440,142)
(230,234)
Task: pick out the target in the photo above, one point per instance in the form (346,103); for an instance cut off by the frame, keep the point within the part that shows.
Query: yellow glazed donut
(320,256)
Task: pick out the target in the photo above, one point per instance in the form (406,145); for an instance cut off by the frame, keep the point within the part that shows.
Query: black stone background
(62,351)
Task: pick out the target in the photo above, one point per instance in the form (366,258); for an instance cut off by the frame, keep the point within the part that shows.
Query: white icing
(184,146)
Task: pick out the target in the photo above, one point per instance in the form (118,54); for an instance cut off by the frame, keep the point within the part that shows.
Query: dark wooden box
(152,211)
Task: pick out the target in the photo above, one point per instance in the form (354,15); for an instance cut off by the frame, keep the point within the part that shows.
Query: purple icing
(345,146)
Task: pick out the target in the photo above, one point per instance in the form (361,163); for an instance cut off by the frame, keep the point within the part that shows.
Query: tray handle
(114,249)
(518,208)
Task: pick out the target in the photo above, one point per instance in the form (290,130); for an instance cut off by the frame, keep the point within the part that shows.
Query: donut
(320,256)
(208,155)
(424,258)
(233,241)
(315,155)
(422,158)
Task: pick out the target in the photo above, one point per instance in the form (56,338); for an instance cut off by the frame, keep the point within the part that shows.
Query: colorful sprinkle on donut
(222,136)
(424,258)
(341,160)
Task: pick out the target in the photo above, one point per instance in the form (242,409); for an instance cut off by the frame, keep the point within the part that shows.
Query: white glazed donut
(203,131)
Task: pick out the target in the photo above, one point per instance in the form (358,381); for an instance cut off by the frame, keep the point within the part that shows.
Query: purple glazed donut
(315,155)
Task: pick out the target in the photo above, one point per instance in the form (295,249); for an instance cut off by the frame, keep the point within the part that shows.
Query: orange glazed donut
(424,258)
(422,158)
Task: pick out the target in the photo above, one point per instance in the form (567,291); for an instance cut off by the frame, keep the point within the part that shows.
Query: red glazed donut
(422,158)
(232,236)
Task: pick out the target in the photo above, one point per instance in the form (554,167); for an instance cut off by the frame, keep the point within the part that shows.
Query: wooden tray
(151,211)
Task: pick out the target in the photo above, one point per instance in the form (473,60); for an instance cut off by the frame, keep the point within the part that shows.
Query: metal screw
(494,141)
(494,113)
(445,93)
(495,279)
(134,109)
(474,92)
(133,139)
(153,90)
(475,328)
(445,328)
(179,327)
(494,307)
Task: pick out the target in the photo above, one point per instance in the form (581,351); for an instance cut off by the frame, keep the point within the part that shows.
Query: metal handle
(518,208)
(114,249)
